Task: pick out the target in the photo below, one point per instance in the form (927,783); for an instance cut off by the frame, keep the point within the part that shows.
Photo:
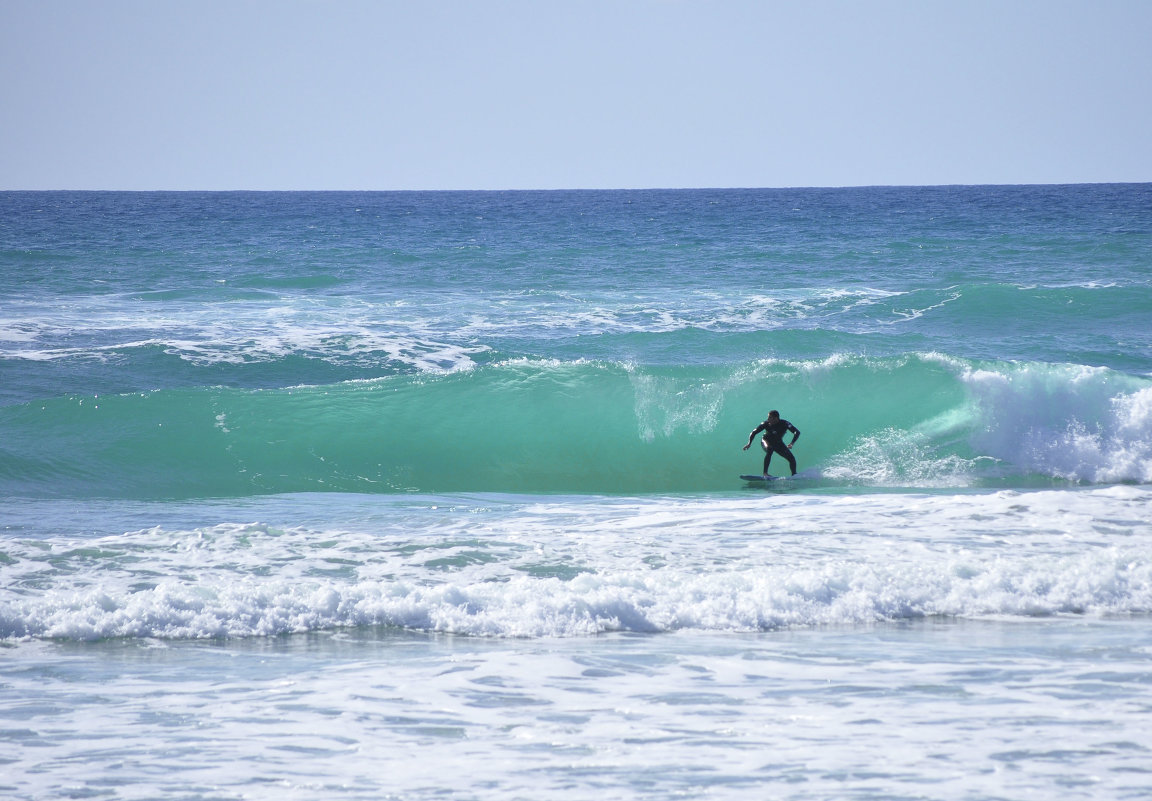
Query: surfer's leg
(784,451)
(767,454)
(787,454)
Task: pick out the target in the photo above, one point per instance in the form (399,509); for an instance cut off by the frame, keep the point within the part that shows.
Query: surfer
(773,441)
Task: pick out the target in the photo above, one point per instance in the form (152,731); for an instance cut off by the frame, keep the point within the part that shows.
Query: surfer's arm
(752,436)
(796,432)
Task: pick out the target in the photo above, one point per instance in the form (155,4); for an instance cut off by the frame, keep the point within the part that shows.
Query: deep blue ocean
(436,494)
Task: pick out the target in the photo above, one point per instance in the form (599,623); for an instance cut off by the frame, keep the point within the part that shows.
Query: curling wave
(925,420)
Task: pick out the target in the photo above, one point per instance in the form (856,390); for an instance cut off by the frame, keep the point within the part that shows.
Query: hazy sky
(498,94)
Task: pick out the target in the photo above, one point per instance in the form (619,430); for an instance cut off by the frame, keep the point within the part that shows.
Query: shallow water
(937,708)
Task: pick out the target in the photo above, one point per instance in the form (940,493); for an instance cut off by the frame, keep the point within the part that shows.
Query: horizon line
(591,189)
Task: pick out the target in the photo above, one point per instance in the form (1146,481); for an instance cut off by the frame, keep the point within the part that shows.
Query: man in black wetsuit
(773,442)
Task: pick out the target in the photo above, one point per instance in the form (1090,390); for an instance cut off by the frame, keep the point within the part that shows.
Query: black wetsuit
(774,440)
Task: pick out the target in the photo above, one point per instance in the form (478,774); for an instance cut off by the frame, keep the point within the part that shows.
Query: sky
(554,94)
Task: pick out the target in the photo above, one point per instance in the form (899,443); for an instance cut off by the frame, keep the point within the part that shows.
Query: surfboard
(761,478)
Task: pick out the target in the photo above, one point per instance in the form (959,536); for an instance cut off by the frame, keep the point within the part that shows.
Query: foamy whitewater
(427,495)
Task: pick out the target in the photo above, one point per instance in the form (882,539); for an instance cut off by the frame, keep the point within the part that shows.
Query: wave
(527,425)
(261,325)
(493,566)
(588,604)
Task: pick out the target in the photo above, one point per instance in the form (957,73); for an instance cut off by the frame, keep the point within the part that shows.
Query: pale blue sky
(500,94)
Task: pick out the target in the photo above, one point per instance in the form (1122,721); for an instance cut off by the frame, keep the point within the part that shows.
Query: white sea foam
(350,328)
(354,332)
(915,312)
(543,569)
(898,458)
(1070,421)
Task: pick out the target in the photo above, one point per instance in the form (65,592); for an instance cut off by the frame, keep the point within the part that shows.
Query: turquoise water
(184,345)
(363,495)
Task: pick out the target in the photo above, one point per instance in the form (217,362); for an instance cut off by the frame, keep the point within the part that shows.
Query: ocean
(423,495)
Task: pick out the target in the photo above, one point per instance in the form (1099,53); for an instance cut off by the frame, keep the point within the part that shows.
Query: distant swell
(923,420)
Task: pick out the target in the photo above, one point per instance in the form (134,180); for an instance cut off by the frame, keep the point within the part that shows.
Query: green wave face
(591,427)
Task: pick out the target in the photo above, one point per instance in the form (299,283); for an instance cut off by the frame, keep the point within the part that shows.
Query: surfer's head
(773,415)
